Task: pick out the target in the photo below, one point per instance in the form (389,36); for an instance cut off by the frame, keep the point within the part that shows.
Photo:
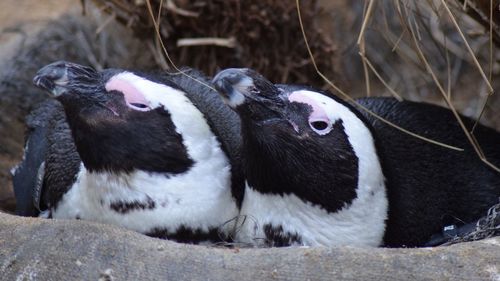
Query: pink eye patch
(318,119)
(133,97)
(317,114)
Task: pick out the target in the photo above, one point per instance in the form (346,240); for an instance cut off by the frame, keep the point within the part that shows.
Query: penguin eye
(321,127)
(138,106)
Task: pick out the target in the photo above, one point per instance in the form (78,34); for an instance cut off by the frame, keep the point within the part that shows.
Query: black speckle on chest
(190,235)
(124,207)
(277,237)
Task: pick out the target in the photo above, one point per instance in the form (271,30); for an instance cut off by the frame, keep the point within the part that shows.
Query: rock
(39,249)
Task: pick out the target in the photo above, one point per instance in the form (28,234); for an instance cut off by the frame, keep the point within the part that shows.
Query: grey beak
(234,85)
(52,77)
(56,76)
(226,80)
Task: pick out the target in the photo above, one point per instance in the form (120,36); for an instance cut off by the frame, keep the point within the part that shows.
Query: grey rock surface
(39,249)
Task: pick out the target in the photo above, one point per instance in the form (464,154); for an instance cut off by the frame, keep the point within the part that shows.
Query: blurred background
(413,50)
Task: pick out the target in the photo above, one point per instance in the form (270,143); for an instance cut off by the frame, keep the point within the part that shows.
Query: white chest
(360,224)
(199,199)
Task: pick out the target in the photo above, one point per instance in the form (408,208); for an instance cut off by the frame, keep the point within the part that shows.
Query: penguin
(156,153)
(320,172)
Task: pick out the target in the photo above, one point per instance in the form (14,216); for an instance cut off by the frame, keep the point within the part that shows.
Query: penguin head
(120,120)
(291,107)
(302,141)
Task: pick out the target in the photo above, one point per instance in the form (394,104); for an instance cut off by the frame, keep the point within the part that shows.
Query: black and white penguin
(159,153)
(320,172)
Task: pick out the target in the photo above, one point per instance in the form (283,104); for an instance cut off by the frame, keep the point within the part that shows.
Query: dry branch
(221,42)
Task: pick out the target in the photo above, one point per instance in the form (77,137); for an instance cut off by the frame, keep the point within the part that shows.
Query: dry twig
(221,42)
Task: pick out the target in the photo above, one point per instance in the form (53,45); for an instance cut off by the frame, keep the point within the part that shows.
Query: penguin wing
(62,161)
(29,174)
(50,164)
(429,186)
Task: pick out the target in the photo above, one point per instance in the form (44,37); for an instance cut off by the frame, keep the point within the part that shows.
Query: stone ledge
(38,249)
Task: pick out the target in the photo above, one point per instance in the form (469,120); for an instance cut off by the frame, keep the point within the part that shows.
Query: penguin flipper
(29,174)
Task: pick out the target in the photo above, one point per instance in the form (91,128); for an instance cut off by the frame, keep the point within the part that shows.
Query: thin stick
(221,42)
(361,44)
(490,69)
(159,12)
(347,97)
(365,68)
(174,9)
(397,41)
(483,108)
(392,91)
(365,21)
(105,23)
(476,62)
(448,70)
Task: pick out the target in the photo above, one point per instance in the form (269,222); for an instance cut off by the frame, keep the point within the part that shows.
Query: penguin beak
(234,85)
(57,77)
(251,95)
(238,86)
